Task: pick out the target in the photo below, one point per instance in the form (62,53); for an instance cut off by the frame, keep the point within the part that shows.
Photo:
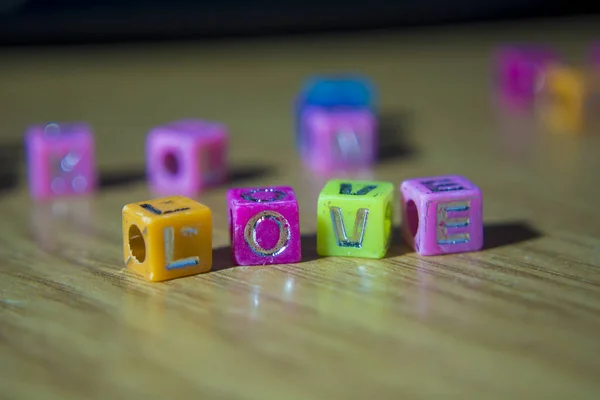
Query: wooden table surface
(518,320)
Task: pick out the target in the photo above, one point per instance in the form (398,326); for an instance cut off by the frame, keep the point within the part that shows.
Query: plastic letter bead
(60,160)
(264,225)
(354,218)
(564,99)
(337,123)
(442,215)
(595,56)
(592,107)
(185,156)
(167,238)
(339,139)
(519,72)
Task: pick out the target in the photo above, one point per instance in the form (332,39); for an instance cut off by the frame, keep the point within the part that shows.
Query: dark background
(24,22)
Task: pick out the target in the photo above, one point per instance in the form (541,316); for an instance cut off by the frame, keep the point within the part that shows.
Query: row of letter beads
(171,237)
(182,157)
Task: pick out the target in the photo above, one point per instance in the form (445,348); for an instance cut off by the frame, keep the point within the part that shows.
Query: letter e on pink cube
(183,157)
(442,215)
(264,225)
(60,160)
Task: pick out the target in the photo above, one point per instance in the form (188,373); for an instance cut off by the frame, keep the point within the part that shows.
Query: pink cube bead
(60,160)
(519,73)
(183,157)
(264,225)
(338,138)
(442,215)
(595,56)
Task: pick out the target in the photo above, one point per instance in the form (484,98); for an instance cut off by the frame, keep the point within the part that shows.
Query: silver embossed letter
(346,188)
(444,223)
(360,225)
(284,233)
(348,145)
(169,237)
(442,185)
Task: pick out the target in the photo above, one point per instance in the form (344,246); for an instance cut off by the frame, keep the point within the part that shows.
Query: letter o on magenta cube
(264,225)
(442,215)
(185,156)
(60,160)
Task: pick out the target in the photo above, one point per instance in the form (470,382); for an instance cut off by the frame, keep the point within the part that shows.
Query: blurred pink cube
(183,157)
(60,160)
(595,56)
(341,139)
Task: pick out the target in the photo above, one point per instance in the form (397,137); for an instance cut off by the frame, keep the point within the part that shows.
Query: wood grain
(519,319)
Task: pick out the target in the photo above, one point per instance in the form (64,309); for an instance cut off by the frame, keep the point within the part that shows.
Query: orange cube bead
(564,99)
(167,238)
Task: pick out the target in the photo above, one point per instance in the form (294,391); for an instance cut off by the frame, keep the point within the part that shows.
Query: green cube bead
(354,218)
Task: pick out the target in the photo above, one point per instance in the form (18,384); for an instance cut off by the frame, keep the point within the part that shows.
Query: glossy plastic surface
(442,215)
(354,218)
(264,225)
(167,238)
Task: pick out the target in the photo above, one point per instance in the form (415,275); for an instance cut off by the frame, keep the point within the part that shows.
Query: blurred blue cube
(338,91)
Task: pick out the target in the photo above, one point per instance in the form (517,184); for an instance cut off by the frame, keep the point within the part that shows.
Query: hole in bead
(412,217)
(171,163)
(137,244)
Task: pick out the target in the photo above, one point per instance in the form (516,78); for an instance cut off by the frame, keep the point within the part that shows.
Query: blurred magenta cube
(520,73)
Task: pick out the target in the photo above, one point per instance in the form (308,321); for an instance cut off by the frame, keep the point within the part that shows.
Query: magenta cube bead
(60,160)
(183,157)
(335,139)
(442,215)
(519,73)
(264,225)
